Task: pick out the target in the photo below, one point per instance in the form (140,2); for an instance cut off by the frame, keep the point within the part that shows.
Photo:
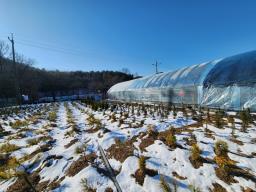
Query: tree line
(24,79)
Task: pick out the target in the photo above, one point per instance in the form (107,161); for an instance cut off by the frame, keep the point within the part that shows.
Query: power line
(47,44)
(44,46)
(55,48)
(52,43)
(50,48)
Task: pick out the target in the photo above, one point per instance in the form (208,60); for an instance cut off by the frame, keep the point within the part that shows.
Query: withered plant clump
(223,161)
(195,158)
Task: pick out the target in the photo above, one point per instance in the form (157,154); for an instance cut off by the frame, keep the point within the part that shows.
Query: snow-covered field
(55,147)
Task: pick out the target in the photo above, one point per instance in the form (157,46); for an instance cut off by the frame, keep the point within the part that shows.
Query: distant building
(228,83)
(69,95)
(6,102)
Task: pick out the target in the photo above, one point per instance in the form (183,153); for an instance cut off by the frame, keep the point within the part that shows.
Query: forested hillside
(28,80)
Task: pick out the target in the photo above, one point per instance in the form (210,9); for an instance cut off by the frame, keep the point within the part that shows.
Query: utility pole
(156,66)
(15,69)
(13,52)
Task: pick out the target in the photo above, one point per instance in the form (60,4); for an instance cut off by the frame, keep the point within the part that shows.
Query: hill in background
(25,79)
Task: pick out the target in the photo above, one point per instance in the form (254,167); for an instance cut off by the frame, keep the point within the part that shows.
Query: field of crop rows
(55,147)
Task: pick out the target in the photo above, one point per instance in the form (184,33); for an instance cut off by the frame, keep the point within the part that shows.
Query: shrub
(70,133)
(91,119)
(81,149)
(208,116)
(221,148)
(7,148)
(8,170)
(113,117)
(109,189)
(98,124)
(164,185)
(172,130)
(86,187)
(223,162)
(218,120)
(145,113)
(142,163)
(171,140)
(126,115)
(222,113)
(94,122)
(152,131)
(75,129)
(12,162)
(194,114)
(223,170)
(185,114)
(52,116)
(121,121)
(132,110)
(200,118)
(142,122)
(34,141)
(174,114)
(162,117)
(246,118)
(193,188)
(193,138)
(231,120)
(17,124)
(69,116)
(195,152)
(233,133)
(1,128)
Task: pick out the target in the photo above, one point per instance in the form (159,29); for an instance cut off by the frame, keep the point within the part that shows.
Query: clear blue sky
(115,34)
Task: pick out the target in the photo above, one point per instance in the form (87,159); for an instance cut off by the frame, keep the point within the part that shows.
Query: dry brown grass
(218,188)
(121,150)
(80,164)
(48,185)
(21,185)
(175,174)
(145,142)
(72,142)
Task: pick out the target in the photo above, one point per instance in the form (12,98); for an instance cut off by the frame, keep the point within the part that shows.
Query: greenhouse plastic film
(239,70)
(227,83)
(230,97)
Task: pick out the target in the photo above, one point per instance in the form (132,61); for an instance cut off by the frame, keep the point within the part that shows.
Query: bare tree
(4,48)
(126,71)
(25,64)
(23,70)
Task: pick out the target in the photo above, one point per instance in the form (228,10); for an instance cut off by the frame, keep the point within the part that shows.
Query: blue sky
(114,34)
